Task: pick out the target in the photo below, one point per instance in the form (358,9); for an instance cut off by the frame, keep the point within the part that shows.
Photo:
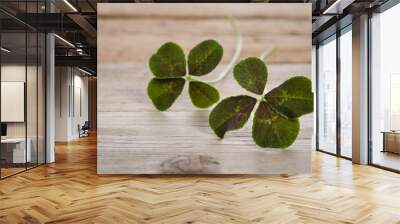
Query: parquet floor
(69,191)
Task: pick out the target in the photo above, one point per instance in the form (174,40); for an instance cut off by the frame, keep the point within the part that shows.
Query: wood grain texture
(131,33)
(135,138)
(70,191)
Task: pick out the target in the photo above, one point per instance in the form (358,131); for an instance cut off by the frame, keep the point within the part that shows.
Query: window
(346,93)
(385,89)
(327,96)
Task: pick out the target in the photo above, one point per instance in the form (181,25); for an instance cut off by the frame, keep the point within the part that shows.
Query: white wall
(80,105)
(62,82)
(17,73)
(70,83)
(14,73)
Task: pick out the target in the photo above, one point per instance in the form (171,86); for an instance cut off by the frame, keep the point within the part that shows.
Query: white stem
(264,56)
(238,49)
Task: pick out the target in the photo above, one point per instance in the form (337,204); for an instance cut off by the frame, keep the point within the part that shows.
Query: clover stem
(238,49)
(266,54)
(190,78)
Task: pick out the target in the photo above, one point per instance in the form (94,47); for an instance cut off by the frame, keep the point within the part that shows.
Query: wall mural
(147,124)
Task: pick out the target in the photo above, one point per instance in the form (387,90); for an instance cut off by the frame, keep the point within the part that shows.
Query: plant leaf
(204,57)
(202,94)
(231,113)
(168,62)
(251,73)
(163,92)
(271,129)
(292,98)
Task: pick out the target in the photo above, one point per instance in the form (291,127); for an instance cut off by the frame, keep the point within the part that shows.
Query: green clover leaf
(168,65)
(275,122)
(271,129)
(204,57)
(202,94)
(168,62)
(231,113)
(293,98)
(251,74)
(164,92)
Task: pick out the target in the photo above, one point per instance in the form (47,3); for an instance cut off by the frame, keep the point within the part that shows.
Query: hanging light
(70,5)
(64,40)
(5,50)
(84,71)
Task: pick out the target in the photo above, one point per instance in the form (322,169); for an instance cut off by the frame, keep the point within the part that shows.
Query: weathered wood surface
(132,32)
(134,138)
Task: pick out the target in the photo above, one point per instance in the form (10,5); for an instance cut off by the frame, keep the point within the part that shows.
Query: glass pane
(31,100)
(327,96)
(13,86)
(22,89)
(31,88)
(41,98)
(314,81)
(385,87)
(346,94)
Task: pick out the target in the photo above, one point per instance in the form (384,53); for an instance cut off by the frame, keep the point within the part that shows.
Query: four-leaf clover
(168,65)
(275,122)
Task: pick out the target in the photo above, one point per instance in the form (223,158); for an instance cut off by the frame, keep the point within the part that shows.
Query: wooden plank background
(132,33)
(134,138)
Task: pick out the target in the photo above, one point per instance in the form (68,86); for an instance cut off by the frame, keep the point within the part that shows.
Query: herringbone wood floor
(69,191)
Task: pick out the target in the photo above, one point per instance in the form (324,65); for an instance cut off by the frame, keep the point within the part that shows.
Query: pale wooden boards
(134,138)
(70,191)
(131,33)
